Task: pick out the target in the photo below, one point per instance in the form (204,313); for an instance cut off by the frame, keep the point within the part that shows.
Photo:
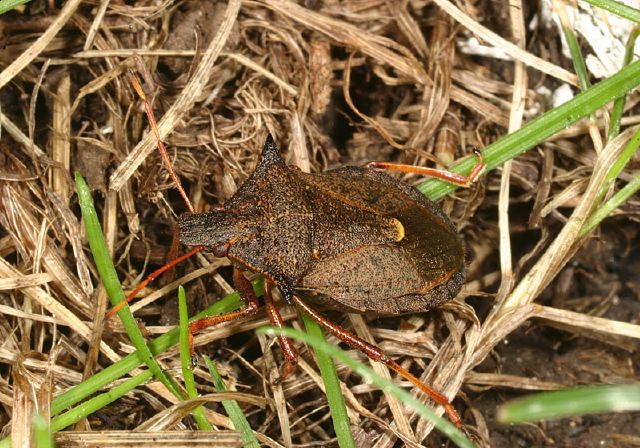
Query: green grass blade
(185,360)
(442,424)
(111,283)
(8,5)
(616,118)
(576,57)
(332,387)
(121,368)
(617,8)
(608,207)
(233,409)
(629,150)
(618,105)
(571,402)
(543,127)
(98,402)
(130,362)
(41,432)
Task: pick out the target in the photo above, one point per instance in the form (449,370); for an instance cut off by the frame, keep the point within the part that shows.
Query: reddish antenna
(161,147)
(178,184)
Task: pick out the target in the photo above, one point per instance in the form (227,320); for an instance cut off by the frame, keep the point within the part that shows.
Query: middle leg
(288,349)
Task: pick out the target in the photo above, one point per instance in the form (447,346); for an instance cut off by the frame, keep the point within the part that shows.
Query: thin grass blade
(98,402)
(618,105)
(608,207)
(233,409)
(621,162)
(111,283)
(8,5)
(185,360)
(543,127)
(571,402)
(617,8)
(41,432)
(130,362)
(332,387)
(442,424)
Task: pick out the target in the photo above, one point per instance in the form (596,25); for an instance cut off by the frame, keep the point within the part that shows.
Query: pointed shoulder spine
(270,153)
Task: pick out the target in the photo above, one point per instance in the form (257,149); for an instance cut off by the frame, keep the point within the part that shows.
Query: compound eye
(221,250)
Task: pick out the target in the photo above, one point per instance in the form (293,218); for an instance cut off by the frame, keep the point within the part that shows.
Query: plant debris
(335,82)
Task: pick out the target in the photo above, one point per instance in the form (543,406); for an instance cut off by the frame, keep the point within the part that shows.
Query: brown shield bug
(354,239)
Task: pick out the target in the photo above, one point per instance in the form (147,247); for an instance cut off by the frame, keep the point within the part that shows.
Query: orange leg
(376,354)
(288,349)
(449,176)
(251,305)
(150,278)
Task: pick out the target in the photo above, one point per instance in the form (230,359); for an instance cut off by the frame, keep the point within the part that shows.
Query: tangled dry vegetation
(336,82)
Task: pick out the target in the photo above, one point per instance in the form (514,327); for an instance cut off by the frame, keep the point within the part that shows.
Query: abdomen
(423,270)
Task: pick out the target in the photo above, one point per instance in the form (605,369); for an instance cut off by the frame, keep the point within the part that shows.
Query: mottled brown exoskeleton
(353,238)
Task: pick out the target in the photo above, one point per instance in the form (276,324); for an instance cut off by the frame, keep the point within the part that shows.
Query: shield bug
(353,239)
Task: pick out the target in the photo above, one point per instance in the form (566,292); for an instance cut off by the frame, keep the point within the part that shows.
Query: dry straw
(339,82)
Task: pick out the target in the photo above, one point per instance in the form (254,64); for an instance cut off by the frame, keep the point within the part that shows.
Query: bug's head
(214,228)
(243,214)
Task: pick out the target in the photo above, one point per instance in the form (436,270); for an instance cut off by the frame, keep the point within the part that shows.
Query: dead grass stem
(341,82)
